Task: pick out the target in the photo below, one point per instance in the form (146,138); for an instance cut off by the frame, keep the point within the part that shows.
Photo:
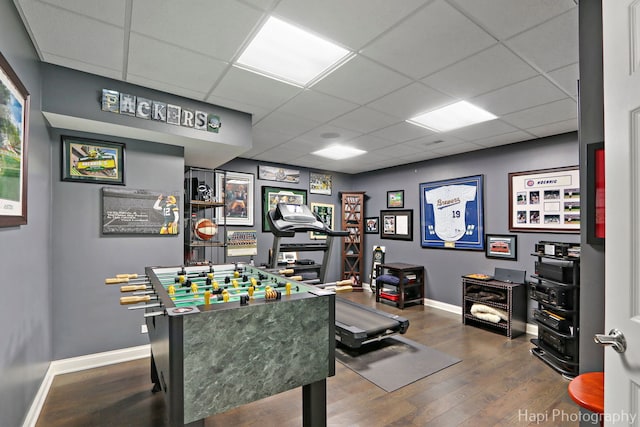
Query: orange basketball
(205,229)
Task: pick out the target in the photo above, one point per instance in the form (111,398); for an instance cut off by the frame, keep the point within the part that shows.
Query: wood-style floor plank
(498,382)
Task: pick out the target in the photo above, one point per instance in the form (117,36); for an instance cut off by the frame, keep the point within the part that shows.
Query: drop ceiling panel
(567,78)
(431,39)
(251,88)
(111,12)
(83,66)
(76,37)
(402,132)
(328,134)
(169,64)
(410,101)
(483,130)
(507,138)
(488,70)
(519,96)
(505,18)
(351,23)
(364,120)
(553,128)
(554,112)
(361,80)
(288,124)
(551,45)
(213,28)
(317,106)
(370,143)
(456,149)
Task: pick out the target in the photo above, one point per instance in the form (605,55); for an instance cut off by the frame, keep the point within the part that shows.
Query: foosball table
(226,335)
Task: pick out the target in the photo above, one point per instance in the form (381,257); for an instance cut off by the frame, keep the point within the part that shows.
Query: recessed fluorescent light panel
(452,116)
(338,152)
(290,54)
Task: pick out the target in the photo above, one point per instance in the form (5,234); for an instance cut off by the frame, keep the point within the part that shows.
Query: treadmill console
(295,213)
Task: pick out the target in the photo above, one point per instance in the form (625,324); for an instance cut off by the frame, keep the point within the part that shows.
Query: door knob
(615,339)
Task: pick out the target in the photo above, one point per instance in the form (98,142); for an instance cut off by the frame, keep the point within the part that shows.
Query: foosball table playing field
(226,335)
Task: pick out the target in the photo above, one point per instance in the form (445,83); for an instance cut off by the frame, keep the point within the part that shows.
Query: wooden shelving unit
(510,298)
(352,262)
(409,287)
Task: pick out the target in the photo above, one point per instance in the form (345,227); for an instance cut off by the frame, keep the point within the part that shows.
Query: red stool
(587,390)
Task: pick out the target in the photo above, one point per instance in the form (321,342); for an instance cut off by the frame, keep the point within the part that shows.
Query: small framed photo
(395,199)
(90,160)
(502,246)
(397,225)
(371,225)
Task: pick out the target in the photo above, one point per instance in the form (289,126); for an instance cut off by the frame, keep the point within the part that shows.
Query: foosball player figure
(207,297)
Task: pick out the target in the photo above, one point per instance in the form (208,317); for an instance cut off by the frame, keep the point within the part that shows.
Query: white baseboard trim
(75,364)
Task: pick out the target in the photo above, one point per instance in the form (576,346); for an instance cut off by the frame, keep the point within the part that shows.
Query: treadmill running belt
(357,325)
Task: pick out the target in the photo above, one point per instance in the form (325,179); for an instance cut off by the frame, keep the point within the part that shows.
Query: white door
(621,50)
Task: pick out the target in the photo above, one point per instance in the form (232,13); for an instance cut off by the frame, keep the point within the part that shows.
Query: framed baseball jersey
(451,213)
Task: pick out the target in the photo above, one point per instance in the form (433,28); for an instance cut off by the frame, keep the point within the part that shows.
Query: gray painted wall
(87,317)
(591,125)
(25,341)
(444,267)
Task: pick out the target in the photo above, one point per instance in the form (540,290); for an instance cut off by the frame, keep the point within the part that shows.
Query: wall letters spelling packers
(147,109)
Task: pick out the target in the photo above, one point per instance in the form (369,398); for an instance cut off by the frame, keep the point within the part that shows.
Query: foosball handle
(286,271)
(116,280)
(298,278)
(127,276)
(134,300)
(131,288)
(344,282)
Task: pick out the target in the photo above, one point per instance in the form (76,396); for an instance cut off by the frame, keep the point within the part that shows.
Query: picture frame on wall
(452,213)
(320,183)
(14,138)
(325,212)
(237,190)
(371,225)
(274,173)
(596,191)
(92,161)
(396,224)
(395,199)
(502,246)
(271,196)
(545,200)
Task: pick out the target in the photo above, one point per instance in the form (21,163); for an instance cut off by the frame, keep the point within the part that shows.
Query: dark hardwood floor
(498,383)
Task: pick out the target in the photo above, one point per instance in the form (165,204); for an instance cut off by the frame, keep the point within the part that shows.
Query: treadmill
(356,325)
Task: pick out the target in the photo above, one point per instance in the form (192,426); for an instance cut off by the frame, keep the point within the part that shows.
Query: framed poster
(397,224)
(326,213)
(237,188)
(451,213)
(242,243)
(90,160)
(502,246)
(371,225)
(320,183)
(130,211)
(596,194)
(273,173)
(395,199)
(271,196)
(14,130)
(545,200)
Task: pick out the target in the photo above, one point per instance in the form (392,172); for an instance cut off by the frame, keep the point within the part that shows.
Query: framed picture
(320,183)
(273,173)
(545,200)
(502,246)
(371,225)
(271,196)
(395,199)
(451,213)
(326,213)
(397,224)
(131,211)
(238,193)
(14,137)
(91,160)
(595,189)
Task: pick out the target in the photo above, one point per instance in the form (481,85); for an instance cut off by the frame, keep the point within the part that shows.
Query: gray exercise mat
(394,362)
